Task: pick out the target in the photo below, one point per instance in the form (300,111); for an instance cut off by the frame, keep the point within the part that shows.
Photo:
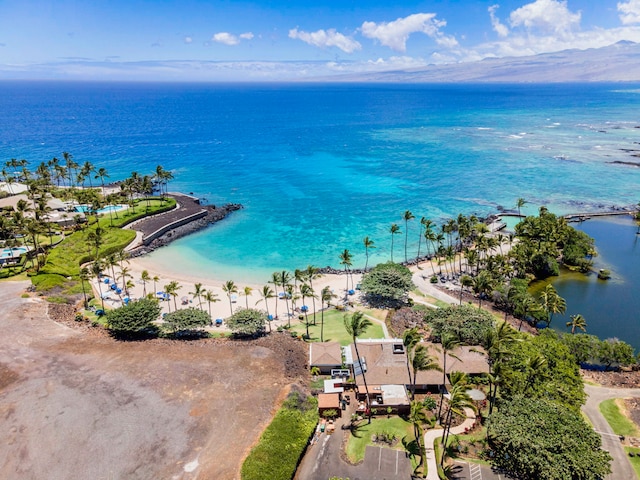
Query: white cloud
(326,38)
(501,29)
(547,16)
(629,12)
(187,40)
(225,38)
(230,39)
(395,34)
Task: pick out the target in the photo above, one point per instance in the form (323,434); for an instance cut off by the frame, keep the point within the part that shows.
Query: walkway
(432,435)
(621,467)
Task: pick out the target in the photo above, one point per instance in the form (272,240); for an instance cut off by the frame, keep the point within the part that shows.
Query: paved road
(621,467)
(323,460)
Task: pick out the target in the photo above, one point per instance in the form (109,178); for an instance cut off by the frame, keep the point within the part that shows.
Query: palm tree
(418,417)
(394,229)
(96,270)
(284,279)
(275,280)
(210,298)
(247,293)
(172,289)
(102,174)
(422,362)
(356,325)
(230,288)
(84,276)
(552,302)
(313,274)
(459,399)
(406,217)
(521,202)
(577,321)
(465,281)
(423,221)
(145,277)
(368,243)
(266,294)
(306,292)
(345,259)
(326,295)
(155,279)
(482,285)
(448,341)
(198,291)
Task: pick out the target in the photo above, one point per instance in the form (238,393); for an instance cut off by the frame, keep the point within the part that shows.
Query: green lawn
(635,460)
(358,441)
(333,328)
(620,424)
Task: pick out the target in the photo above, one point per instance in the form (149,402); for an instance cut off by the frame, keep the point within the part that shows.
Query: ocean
(318,167)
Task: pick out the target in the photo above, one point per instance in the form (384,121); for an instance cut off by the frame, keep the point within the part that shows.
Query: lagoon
(612,307)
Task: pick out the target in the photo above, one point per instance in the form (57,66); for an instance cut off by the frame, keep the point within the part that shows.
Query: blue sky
(260,40)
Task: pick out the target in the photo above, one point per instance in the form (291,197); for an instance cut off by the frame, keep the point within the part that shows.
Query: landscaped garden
(334,330)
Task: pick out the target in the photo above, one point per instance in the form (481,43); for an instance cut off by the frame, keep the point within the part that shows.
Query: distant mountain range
(616,63)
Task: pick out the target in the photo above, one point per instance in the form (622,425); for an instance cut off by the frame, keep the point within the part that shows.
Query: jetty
(189,216)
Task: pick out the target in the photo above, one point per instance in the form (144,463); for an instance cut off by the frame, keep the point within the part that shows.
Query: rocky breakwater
(187,218)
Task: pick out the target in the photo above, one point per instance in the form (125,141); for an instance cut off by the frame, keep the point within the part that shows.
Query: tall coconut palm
(346,260)
(171,289)
(313,273)
(577,321)
(247,293)
(230,288)
(198,291)
(356,325)
(266,293)
(406,217)
(210,298)
(368,244)
(421,361)
(84,276)
(448,342)
(521,202)
(145,277)
(306,291)
(482,285)
(418,417)
(394,230)
(101,173)
(96,269)
(285,278)
(420,235)
(459,399)
(326,295)
(275,281)
(155,279)
(552,302)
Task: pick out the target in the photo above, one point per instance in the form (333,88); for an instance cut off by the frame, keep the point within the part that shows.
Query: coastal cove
(318,167)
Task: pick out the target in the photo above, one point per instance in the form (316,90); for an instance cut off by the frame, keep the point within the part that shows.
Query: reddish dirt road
(75,405)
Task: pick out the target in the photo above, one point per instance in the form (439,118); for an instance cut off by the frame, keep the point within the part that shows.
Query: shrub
(284,441)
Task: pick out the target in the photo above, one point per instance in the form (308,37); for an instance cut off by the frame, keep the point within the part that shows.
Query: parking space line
(475,472)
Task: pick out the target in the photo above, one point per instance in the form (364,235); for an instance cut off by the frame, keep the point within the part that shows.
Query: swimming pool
(107,209)
(14,252)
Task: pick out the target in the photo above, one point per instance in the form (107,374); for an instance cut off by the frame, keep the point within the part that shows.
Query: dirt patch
(79,405)
(633,410)
(613,379)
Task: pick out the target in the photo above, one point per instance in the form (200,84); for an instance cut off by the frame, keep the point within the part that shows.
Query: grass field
(396,426)
(333,328)
(620,424)
(635,459)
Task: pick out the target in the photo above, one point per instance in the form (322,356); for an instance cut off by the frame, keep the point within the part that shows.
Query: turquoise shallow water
(318,167)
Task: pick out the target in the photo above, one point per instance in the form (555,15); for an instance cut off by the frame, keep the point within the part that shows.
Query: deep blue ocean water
(318,167)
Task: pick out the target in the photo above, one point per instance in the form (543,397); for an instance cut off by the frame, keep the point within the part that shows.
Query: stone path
(432,435)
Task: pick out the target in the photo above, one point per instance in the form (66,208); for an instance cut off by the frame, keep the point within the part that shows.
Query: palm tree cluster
(31,219)
(293,288)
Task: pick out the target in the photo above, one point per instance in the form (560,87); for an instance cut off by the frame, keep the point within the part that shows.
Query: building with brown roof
(326,356)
